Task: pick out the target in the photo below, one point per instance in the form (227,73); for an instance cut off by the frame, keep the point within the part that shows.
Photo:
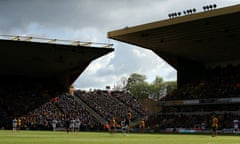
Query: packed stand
(197,121)
(131,101)
(18,98)
(109,104)
(65,111)
(219,83)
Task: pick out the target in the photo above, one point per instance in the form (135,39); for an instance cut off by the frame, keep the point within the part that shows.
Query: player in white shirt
(77,124)
(123,126)
(72,124)
(54,124)
(235,126)
(14,124)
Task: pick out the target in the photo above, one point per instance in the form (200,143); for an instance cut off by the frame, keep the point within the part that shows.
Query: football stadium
(42,106)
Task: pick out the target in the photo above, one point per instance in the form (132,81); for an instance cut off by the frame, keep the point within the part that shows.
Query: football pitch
(48,137)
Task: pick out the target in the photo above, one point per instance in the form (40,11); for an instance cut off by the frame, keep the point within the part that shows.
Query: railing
(55,41)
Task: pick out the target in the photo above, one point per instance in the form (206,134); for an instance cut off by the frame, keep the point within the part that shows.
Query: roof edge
(168,22)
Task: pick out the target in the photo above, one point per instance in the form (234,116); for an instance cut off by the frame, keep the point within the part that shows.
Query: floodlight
(194,10)
(214,5)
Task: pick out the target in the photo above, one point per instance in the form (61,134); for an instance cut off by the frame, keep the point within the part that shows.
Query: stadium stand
(65,107)
(194,103)
(34,70)
(203,48)
(109,105)
(207,61)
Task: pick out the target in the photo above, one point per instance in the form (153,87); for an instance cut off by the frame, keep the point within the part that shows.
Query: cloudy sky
(90,20)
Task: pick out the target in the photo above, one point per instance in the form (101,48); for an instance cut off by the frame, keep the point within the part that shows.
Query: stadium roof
(208,37)
(43,58)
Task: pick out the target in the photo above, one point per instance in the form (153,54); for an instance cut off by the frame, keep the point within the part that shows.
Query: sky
(90,20)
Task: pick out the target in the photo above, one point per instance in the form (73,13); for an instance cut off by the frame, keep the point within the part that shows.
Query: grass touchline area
(50,137)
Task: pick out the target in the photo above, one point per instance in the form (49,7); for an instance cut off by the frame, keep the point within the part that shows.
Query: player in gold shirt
(214,126)
(127,121)
(112,124)
(19,123)
(142,125)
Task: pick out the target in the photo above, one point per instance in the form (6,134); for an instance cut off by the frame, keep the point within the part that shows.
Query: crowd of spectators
(37,109)
(18,96)
(220,82)
(113,104)
(191,120)
(63,109)
(131,101)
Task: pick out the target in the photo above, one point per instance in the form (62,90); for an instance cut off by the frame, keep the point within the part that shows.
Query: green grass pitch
(48,137)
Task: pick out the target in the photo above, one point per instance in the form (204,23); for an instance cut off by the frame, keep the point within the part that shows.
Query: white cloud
(100,63)
(139,53)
